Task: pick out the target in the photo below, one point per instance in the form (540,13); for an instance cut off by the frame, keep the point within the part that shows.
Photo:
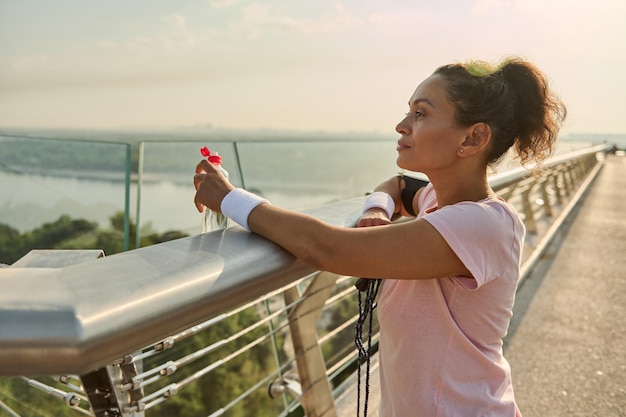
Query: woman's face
(430,136)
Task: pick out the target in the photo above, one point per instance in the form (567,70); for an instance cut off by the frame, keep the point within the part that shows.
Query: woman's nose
(403,127)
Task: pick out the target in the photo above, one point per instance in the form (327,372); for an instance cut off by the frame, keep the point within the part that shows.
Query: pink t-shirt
(441,339)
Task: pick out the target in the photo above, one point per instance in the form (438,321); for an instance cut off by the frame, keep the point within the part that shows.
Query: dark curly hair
(514,99)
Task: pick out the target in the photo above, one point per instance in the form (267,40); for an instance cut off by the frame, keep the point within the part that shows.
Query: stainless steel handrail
(76,318)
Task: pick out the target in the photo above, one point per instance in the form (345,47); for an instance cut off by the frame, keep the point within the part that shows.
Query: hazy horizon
(345,66)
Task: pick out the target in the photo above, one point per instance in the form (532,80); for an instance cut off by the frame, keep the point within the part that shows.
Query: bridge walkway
(567,340)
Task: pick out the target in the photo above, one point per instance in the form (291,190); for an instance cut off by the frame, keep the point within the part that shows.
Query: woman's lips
(402,147)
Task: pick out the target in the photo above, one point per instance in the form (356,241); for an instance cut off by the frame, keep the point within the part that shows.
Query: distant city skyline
(323,65)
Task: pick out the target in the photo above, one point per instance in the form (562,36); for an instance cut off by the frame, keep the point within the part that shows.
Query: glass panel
(44,179)
(167,188)
(306,174)
(292,174)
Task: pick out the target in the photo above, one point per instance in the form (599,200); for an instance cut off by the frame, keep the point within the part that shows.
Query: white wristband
(380,200)
(238,204)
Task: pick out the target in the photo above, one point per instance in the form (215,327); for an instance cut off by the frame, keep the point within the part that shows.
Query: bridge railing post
(547,205)
(317,396)
(557,184)
(529,215)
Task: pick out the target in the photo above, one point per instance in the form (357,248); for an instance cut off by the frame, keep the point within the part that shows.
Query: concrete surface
(567,341)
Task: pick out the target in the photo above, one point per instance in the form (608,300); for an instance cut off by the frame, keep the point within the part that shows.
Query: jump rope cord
(366,313)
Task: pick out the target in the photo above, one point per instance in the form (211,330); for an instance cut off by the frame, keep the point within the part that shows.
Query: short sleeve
(486,236)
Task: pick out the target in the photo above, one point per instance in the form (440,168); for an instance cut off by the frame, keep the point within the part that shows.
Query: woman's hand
(373,217)
(211,187)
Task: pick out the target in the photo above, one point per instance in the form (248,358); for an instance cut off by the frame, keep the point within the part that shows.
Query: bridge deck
(567,343)
(567,340)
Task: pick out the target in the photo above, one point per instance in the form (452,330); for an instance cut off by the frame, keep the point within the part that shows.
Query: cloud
(222,4)
(484,6)
(177,20)
(178,38)
(258,20)
(146,59)
(34,63)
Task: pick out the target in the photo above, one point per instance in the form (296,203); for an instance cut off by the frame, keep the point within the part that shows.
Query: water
(610,139)
(28,201)
(291,175)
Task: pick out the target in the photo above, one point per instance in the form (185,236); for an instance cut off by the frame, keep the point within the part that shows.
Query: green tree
(30,402)
(49,235)
(224,383)
(67,233)
(14,245)
(11,244)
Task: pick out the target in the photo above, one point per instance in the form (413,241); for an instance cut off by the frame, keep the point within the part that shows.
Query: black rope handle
(366,313)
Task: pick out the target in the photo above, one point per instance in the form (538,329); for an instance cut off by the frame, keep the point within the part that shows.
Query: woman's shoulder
(491,216)
(486,235)
(491,209)
(492,205)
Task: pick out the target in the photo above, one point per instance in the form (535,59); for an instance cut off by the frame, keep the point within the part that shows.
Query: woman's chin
(402,164)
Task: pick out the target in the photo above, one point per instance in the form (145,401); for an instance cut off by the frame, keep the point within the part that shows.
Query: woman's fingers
(204,166)
(199,205)
(197,180)
(373,217)
(211,186)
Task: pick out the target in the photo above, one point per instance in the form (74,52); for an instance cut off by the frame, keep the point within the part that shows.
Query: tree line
(68,233)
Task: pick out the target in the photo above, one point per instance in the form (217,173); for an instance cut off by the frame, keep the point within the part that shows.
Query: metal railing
(117,321)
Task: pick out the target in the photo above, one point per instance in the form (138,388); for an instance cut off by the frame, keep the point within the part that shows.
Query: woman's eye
(417,113)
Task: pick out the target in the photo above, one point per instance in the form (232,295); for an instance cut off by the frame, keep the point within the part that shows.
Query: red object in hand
(212,158)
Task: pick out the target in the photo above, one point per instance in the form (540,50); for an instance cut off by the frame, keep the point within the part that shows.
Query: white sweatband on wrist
(381,200)
(238,204)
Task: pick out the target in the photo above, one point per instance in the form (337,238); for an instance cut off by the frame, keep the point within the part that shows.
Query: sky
(290,64)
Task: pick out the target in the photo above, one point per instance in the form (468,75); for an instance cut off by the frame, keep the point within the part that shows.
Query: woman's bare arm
(409,250)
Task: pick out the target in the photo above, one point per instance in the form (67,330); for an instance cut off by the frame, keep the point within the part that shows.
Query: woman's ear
(477,139)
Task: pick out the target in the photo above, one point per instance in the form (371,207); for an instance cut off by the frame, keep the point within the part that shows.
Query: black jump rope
(366,296)
(368,288)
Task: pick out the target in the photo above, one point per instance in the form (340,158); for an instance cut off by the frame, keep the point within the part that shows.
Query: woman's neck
(452,190)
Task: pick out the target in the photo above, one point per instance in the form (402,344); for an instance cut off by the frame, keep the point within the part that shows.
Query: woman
(450,275)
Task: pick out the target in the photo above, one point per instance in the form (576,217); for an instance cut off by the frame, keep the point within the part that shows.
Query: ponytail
(514,99)
(540,112)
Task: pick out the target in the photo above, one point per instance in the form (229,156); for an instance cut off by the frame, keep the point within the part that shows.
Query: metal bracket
(106,395)
(286,383)
(101,395)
